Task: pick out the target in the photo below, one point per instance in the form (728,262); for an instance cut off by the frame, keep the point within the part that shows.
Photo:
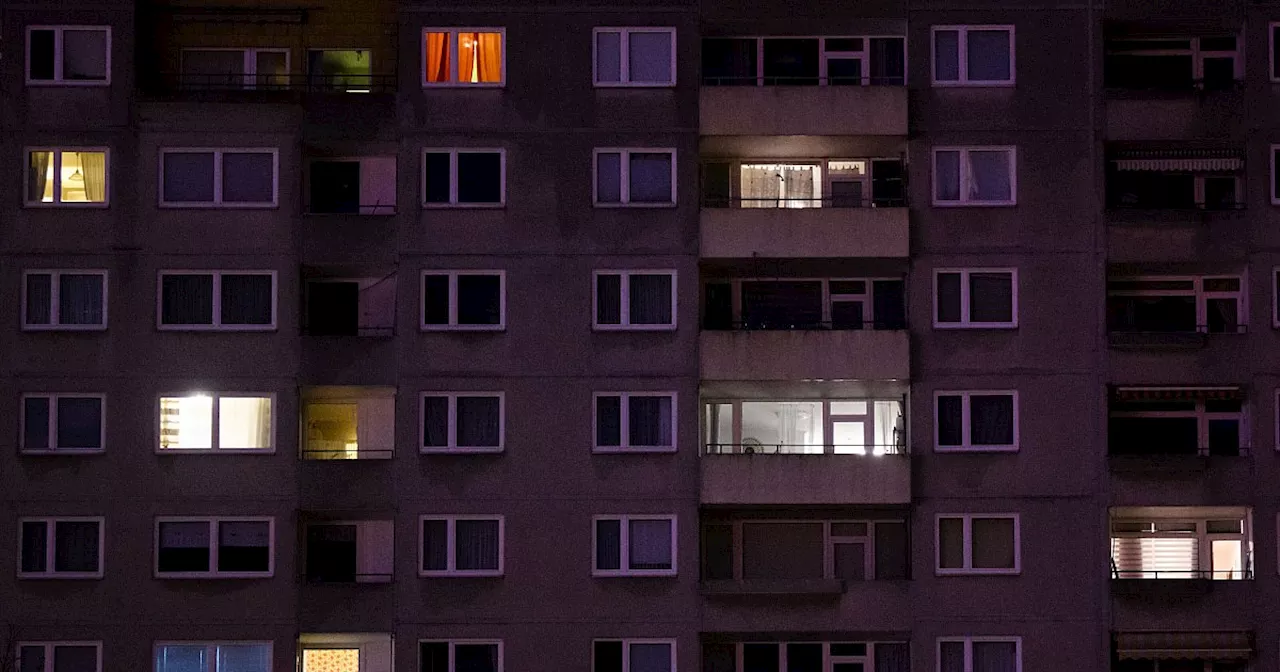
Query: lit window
(848,426)
(217,300)
(460,655)
(635,177)
(223,422)
(633,655)
(469,178)
(349,423)
(233,548)
(635,300)
(460,546)
(349,70)
(635,421)
(66,177)
(975,176)
(980,298)
(463,57)
(463,300)
(59,656)
(64,300)
(973,56)
(462,422)
(978,544)
(223,178)
(635,56)
(69,55)
(1179,543)
(634,546)
(220,657)
(62,423)
(61,548)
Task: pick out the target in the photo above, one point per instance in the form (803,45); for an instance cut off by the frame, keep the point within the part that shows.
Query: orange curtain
(437,57)
(480,58)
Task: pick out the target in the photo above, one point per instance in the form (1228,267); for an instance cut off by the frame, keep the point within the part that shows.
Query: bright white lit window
(633,655)
(976,298)
(973,56)
(217,301)
(975,421)
(460,546)
(460,655)
(70,300)
(638,422)
(463,57)
(63,176)
(634,300)
(978,544)
(979,654)
(223,421)
(462,422)
(640,177)
(635,56)
(68,55)
(1168,543)
(215,548)
(975,176)
(60,548)
(638,545)
(219,178)
(59,656)
(61,424)
(213,657)
(804,426)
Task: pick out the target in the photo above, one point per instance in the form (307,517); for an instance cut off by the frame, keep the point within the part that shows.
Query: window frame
(249,63)
(830,299)
(59,56)
(625,296)
(214,523)
(1275,167)
(624,173)
(966,420)
(214,437)
(624,422)
(58,151)
(624,546)
(453,448)
(824,56)
(626,643)
(1273,68)
(966,303)
(624,60)
(53,398)
(1204,538)
(451,559)
(55,316)
(968,641)
(965,178)
(962,56)
(216,325)
(829,420)
(967,546)
(211,647)
(218,202)
(453,643)
(51,542)
(50,646)
(454,62)
(1198,292)
(454,203)
(830,540)
(453,275)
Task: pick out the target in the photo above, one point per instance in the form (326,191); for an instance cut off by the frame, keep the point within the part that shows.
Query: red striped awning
(1184,645)
(1224,393)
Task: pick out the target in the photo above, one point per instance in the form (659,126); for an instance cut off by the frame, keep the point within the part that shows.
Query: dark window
(991,417)
(717,306)
(333,308)
(41,64)
(433,657)
(35,423)
(35,546)
(717,549)
(889,304)
(39,303)
(1151,190)
(331,553)
(247,299)
(649,177)
(1152,313)
(608,299)
(947,298)
(475,658)
(476,547)
(183,547)
(990,297)
(608,544)
(435,165)
(75,546)
(186,299)
(716,178)
(650,299)
(435,422)
(335,186)
(729,62)
(608,421)
(891,551)
(479,421)
(479,177)
(791,61)
(188,177)
(649,420)
(248,177)
(760,658)
(716,657)
(435,299)
(244,546)
(793,304)
(79,423)
(435,545)
(807,657)
(888,183)
(607,657)
(950,420)
(888,61)
(1220,193)
(479,299)
(1153,436)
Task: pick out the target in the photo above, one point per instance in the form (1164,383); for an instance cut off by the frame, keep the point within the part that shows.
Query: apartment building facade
(733,336)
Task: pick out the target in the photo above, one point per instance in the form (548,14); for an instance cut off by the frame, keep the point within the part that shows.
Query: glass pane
(184,547)
(213,69)
(608,57)
(650,421)
(851,561)
(435,550)
(650,57)
(480,58)
(40,61)
(475,658)
(244,546)
(80,299)
(40,180)
(760,658)
(609,421)
(479,299)
(608,299)
(849,438)
(82,177)
(35,423)
(946,175)
(433,657)
(608,544)
(950,543)
(35,546)
(646,657)
(39,300)
(807,657)
(651,299)
(435,166)
(182,658)
(609,177)
(435,422)
(188,177)
(989,55)
(991,419)
(186,422)
(436,46)
(244,658)
(186,299)
(332,431)
(84,55)
(477,544)
(791,61)
(993,543)
(479,421)
(479,177)
(272,70)
(75,547)
(248,177)
(79,423)
(247,299)
(435,299)
(989,176)
(340,70)
(649,543)
(946,56)
(994,656)
(991,297)
(607,656)
(1228,559)
(728,61)
(782,427)
(31,658)
(244,422)
(650,177)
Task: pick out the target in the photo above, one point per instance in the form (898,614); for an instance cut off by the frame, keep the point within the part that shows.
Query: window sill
(215,576)
(466,450)
(464,206)
(71,84)
(633,450)
(60,452)
(64,576)
(974,84)
(41,205)
(975,449)
(635,85)
(428,328)
(977,572)
(629,327)
(208,328)
(634,574)
(975,325)
(627,206)
(215,451)
(218,206)
(460,574)
(974,204)
(63,327)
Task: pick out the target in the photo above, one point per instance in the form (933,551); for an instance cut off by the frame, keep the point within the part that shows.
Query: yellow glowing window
(467,57)
(215,422)
(65,176)
(331,660)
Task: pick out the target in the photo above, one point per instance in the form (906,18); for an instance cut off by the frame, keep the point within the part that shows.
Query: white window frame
(1275,166)
(965,178)
(59,57)
(217,201)
(451,556)
(211,647)
(453,643)
(1202,418)
(453,447)
(967,545)
(968,649)
(626,649)
(624,545)
(453,153)
(962,57)
(216,325)
(453,324)
(624,52)
(1274,67)
(965,307)
(625,419)
(51,542)
(830,540)
(454,62)
(829,420)
(214,522)
(824,56)
(49,647)
(214,435)
(624,176)
(829,298)
(57,201)
(54,299)
(966,422)
(1201,295)
(1194,51)
(625,300)
(249,62)
(54,398)
(1203,560)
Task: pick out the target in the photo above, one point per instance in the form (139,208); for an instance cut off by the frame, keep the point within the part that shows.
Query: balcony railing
(1130,450)
(328,579)
(317,449)
(266,83)
(804,203)
(362,332)
(872,450)
(1185,86)
(1173,206)
(1183,574)
(770,80)
(363,209)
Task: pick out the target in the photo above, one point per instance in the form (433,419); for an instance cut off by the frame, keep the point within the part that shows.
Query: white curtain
(781,186)
(650,544)
(477,544)
(989,176)
(650,420)
(93,166)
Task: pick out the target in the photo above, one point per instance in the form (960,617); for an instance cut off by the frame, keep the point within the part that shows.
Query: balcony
(806,354)
(1177,114)
(803,110)
(739,477)
(811,232)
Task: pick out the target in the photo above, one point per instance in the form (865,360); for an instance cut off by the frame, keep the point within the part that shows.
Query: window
(635,56)
(1274,32)
(69,55)
(804,550)
(351,307)
(219,178)
(1173,304)
(978,654)
(805,426)
(1156,421)
(807,656)
(804,61)
(462,422)
(1175,662)
(635,177)
(213,657)
(349,70)
(460,655)
(633,655)
(1175,179)
(803,304)
(970,176)
(635,300)
(1172,63)
(478,53)
(217,300)
(468,178)
(804,183)
(349,423)
(233,69)
(217,421)
(464,300)
(976,421)
(973,56)
(357,186)
(69,300)
(634,546)
(1275,174)
(985,298)
(461,546)
(215,548)
(60,548)
(350,552)
(59,657)
(1171,543)
(635,422)
(978,544)
(75,177)
(61,424)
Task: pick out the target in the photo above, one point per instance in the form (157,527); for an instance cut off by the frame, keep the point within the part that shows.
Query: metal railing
(803,203)
(1175,574)
(872,450)
(358,577)
(1203,451)
(334,454)
(803,325)
(267,83)
(1177,207)
(1142,330)
(1184,86)
(364,210)
(362,332)
(791,80)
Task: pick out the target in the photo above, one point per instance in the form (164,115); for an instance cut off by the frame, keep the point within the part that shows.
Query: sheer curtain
(246,299)
(479,58)
(244,422)
(76,546)
(995,657)
(477,544)
(39,169)
(186,299)
(479,421)
(650,419)
(79,299)
(781,186)
(895,657)
(649,544)
(991,417)
(650,299)
(989,178)
(437,57)
(94,168)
